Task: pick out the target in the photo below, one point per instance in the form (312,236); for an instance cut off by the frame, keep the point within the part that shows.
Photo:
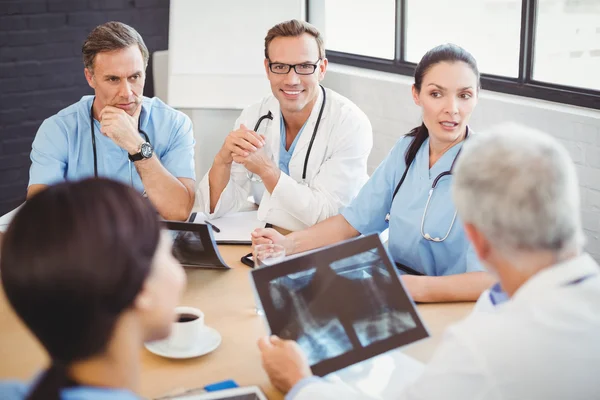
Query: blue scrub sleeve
(369,208)
(49,154)
(179,157)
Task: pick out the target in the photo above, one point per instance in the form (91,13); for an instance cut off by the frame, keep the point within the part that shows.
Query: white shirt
(544,343)
(337,165)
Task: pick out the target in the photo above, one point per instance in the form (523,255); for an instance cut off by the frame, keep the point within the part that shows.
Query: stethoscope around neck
(94,143)
(425,235)
(269,116)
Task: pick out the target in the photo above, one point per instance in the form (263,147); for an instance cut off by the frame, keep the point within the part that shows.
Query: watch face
(146,150)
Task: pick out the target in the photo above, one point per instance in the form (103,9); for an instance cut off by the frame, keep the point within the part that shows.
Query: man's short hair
(519,187)
(294,28)
(111,36)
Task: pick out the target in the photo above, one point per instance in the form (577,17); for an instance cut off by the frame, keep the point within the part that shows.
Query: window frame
(524,85)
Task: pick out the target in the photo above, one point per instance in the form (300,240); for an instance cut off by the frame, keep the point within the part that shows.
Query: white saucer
(208,340)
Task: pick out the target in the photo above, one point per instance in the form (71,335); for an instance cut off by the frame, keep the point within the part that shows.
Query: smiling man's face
(295,92)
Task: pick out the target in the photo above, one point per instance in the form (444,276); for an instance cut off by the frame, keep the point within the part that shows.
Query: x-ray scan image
(335,307)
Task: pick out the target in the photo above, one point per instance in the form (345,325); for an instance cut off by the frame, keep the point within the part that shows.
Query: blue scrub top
(368,210)
(286,155)
(13,390)
(62,148)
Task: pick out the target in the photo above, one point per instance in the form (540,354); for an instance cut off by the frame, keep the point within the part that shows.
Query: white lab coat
(337,166)
(541,344)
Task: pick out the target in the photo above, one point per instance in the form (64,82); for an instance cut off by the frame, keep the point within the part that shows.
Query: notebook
(7,218)
(235,228)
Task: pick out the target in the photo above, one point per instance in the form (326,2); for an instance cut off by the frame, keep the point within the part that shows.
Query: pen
(214,227)
(192,217)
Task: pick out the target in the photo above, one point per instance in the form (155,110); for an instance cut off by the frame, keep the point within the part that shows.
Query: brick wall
(386,100)
(41,70)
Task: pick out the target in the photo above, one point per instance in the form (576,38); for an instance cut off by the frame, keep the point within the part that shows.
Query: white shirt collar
(560,274)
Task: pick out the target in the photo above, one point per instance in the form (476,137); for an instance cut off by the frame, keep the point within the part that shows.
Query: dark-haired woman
(96,283)
(410,190)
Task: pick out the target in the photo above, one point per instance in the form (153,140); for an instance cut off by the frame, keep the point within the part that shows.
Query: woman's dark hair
(450,53)
(73,259)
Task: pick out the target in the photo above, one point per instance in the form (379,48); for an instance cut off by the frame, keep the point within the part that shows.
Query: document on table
(235,228)
(6,218)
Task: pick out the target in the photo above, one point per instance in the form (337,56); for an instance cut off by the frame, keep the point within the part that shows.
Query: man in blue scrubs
(118,133)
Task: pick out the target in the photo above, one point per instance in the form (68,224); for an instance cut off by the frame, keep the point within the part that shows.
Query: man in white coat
(300,152)
(516,191)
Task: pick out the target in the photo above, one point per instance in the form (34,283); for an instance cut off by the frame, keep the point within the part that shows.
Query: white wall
(211,125)
(216,55)
(210,128)
(386,99)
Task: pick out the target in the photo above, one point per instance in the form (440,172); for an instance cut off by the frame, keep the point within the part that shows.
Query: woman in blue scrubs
(425,237)
(86,268)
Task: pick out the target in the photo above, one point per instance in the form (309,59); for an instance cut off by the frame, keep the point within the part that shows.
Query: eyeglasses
(300,69)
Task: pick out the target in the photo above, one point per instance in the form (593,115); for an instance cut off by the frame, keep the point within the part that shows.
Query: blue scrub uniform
(62,148)
(367,213)
(286,155)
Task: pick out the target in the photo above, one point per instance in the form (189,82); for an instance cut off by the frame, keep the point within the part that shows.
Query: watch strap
(136,157)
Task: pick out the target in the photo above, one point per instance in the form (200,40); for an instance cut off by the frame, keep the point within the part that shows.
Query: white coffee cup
(186,329)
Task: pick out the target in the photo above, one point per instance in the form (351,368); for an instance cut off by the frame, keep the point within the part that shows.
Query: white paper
(6,218)
(234,227)
(383,377)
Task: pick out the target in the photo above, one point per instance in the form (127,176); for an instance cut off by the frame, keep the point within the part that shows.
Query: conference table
(227,300)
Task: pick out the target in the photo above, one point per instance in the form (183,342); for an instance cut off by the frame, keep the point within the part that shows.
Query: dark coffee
(187,318)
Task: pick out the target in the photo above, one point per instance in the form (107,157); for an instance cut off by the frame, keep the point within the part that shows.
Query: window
(365,28)
(567,44)
(489,30)
(546,49)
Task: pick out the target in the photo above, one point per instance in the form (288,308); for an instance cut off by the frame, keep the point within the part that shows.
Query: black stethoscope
(425,235)
(269,115)
(94,142)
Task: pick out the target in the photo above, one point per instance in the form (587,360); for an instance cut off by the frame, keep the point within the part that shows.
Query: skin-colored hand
(256,162)
(283,361)
(271,236)
(122,128)
(241,143)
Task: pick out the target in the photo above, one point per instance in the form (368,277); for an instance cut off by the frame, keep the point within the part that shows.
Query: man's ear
(323,68)
(89,77)
(480,243)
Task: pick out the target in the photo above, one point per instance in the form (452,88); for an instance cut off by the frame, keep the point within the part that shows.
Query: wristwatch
(145,152)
